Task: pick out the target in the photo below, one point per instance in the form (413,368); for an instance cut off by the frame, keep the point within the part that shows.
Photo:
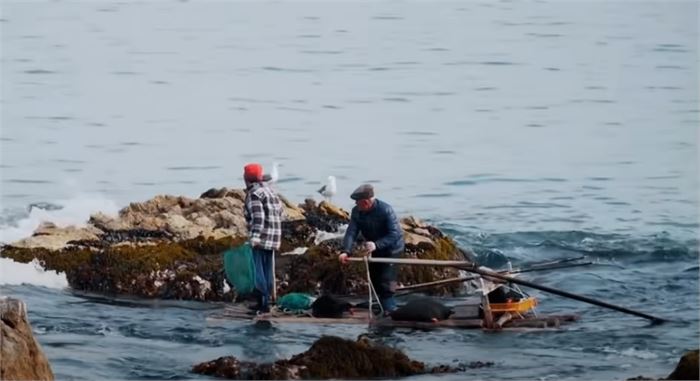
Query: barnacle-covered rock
(171,247)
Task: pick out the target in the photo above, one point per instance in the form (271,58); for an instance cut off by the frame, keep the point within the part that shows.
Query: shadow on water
(126,301)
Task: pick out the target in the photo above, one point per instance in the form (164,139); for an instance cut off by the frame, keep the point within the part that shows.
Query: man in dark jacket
(263,214)
(377,222)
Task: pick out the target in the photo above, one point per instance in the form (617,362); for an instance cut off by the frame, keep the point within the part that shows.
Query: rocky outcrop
(329,358)
(687,368)
(22,358)
(218,213)
(171,247)
(183,217)
(189,269)
(51,237)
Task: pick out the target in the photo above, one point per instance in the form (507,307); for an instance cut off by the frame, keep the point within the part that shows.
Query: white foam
(632,352)
(75,211)
(639,353)
(14,273)
(325,236)
(297,251)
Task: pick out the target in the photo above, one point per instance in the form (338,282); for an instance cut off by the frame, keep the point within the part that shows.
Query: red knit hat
(253,172)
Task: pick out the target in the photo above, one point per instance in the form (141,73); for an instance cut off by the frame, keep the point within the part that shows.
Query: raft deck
(466,316)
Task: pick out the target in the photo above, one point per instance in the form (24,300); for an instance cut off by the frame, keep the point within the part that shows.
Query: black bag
(327,306)
(424,309)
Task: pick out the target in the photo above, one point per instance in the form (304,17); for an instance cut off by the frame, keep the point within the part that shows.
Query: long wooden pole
(468,266)
(274,279)
(436,283)
(411,261)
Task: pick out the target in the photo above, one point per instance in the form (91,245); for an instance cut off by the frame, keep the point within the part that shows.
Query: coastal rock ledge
(21,355)
(170,247)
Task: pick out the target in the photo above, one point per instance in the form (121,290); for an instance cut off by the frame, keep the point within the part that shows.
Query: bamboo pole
(436,283)
(412,261)
(274,279)
(471,267)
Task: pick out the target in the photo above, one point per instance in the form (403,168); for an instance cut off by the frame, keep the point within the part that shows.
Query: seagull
(328,190)
(274,174)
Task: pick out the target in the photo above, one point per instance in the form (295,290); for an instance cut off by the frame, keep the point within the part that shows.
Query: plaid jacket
(263,213)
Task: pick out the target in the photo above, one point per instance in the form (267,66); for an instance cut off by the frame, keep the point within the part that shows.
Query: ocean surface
(527,131)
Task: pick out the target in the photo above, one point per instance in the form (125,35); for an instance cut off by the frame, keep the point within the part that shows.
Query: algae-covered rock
(190,269)
(334,357)
(171,246)
(319,271)
(328,358)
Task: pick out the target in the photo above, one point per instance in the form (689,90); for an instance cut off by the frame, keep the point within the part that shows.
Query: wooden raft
(466,316)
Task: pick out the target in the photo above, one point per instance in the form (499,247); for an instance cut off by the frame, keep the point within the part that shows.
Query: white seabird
(274,174)
(329,189)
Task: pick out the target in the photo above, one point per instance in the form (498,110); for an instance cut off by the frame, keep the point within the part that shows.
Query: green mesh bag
(295,302)
(239,268)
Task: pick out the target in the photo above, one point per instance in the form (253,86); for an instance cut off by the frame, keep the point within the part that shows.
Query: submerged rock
(22,357)
(328,358)
(687,368)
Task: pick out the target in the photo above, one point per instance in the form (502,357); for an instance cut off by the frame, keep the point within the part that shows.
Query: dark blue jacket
(378,225)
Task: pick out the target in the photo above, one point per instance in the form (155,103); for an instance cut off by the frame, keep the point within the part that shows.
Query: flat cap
(363,192)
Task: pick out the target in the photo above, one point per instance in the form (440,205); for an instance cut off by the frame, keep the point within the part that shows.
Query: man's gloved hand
(343,258)
(370,246)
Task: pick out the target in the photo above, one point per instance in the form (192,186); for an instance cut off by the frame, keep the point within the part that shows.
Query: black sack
(327,306)
(424,309)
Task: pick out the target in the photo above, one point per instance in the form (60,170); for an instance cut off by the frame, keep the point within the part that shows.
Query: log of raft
(465,317)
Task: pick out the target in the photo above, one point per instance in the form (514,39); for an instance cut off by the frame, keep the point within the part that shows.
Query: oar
(468,266)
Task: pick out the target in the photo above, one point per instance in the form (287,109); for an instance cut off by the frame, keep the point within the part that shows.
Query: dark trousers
(263,276)
(383,277)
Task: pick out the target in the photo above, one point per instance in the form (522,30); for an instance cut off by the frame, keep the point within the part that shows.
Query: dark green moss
(173,270)
(61,261)
(320,266)
(319,270)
